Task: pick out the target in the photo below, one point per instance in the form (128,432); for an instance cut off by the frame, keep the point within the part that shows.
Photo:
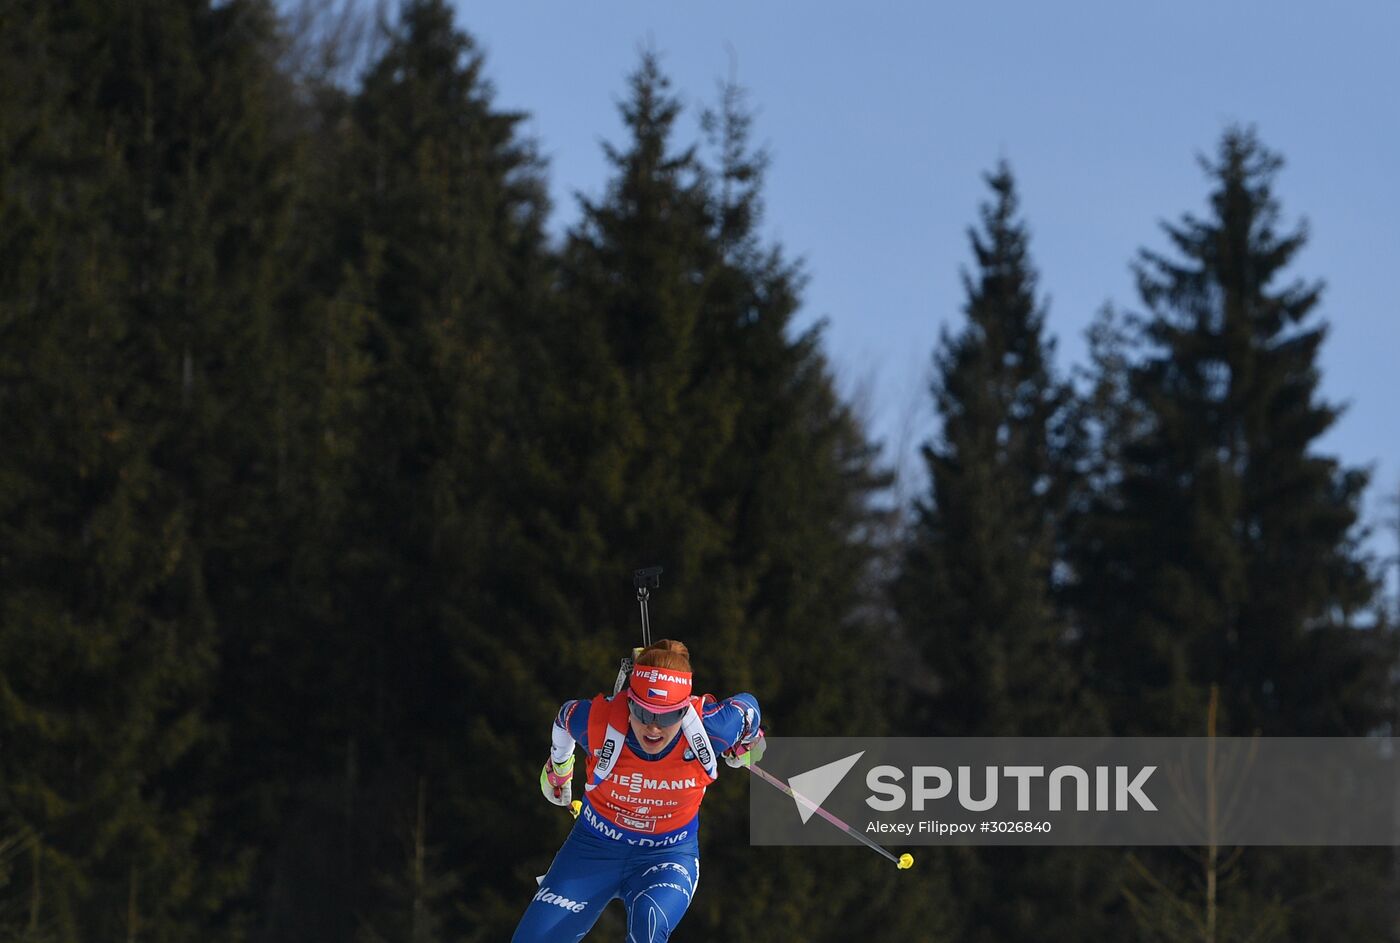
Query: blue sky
(882,116)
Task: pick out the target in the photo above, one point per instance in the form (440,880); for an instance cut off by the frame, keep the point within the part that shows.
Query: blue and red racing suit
(636,837)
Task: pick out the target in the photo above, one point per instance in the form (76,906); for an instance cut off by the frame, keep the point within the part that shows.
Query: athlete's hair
(667,653)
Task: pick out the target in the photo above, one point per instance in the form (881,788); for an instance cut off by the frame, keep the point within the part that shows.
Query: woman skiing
(650,752)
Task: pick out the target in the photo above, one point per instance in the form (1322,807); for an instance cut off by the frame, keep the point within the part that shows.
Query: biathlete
(651,750)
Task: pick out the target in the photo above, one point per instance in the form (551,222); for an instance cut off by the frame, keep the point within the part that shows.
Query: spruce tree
(1226,553)
(978,591)
(601,488)
(436,249)
(799,479)
(687,425)
(147,204)
(277,569)
(1231,557)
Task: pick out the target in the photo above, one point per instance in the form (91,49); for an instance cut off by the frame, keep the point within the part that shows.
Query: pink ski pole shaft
(903,861)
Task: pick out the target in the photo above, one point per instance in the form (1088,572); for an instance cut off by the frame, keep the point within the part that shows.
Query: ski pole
(903,862)
(573,810)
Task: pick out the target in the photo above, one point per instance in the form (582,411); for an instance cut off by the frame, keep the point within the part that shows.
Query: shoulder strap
(693,729)
(610,745)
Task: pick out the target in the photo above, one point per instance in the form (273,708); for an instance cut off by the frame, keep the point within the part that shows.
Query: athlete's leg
(572,894)
(657,892)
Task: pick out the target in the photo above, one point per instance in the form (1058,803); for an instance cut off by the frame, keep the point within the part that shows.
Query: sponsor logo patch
(605,752)
(654,674)
(697,743)
(545,896)
(636,824)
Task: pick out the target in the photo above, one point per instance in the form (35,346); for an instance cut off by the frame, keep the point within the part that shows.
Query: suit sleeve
(570,725)
(732,720)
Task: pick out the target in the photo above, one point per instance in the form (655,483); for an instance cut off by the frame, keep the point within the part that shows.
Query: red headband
(659,689)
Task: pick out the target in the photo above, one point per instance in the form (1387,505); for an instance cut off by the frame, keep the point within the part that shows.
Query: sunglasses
(650,717)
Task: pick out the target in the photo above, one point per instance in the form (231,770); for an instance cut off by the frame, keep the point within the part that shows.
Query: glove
(746,752)
(557,781)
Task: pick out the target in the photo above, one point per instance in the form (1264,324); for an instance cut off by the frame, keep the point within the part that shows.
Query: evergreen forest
(325,462)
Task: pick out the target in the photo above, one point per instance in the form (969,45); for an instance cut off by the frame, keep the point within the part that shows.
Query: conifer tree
(601,487)
(687,426)
(1232,558)
(277,573)
(146,210)
(799,480)
(1226,553)
(978,590)
(436,249)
